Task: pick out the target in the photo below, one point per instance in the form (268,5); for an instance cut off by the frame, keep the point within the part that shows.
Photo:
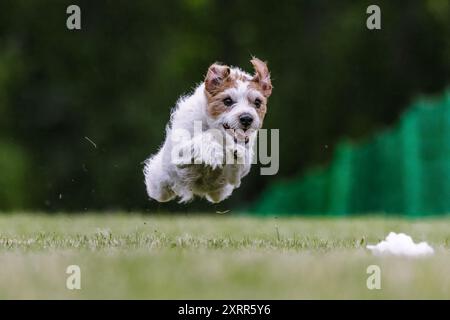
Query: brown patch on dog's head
(217,78)
(261,111)
(262,83)
(261,79)
(216,106)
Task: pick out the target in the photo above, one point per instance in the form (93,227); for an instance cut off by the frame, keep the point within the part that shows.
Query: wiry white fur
(209,176)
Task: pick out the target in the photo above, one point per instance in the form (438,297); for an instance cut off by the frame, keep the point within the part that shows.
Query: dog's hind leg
(160,192)
(220,195)
(156,180)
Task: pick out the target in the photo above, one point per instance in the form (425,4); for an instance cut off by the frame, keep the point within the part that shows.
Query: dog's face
(237,102)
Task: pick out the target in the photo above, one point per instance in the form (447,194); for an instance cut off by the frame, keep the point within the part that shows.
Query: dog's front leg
(208,149)
(237,159)
(233,174)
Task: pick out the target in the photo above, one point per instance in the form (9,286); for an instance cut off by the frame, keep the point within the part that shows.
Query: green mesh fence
(404,170)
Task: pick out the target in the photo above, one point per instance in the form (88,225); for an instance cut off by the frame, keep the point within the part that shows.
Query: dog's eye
(257,103)
(228,102)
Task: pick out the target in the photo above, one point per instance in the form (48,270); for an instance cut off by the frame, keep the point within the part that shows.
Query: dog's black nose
(246,119)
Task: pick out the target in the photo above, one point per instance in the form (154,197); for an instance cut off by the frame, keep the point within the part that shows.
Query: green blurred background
(116,80)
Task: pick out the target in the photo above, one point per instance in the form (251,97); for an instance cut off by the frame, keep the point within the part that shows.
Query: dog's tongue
(240,135)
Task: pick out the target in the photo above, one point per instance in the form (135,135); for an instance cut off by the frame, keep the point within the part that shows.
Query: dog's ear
(217,74)
(262,76)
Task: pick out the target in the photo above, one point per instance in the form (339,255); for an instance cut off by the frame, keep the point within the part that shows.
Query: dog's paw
(211,154)
(237,155)
(214,157)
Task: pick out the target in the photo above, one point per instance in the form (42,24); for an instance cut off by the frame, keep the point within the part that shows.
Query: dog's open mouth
(237,134)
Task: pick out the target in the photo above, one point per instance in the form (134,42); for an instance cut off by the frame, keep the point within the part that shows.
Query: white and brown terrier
(210,137)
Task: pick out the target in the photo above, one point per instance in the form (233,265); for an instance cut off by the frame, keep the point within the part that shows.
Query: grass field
(215,256)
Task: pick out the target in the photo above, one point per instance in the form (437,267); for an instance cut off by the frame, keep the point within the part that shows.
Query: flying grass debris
(91,142)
